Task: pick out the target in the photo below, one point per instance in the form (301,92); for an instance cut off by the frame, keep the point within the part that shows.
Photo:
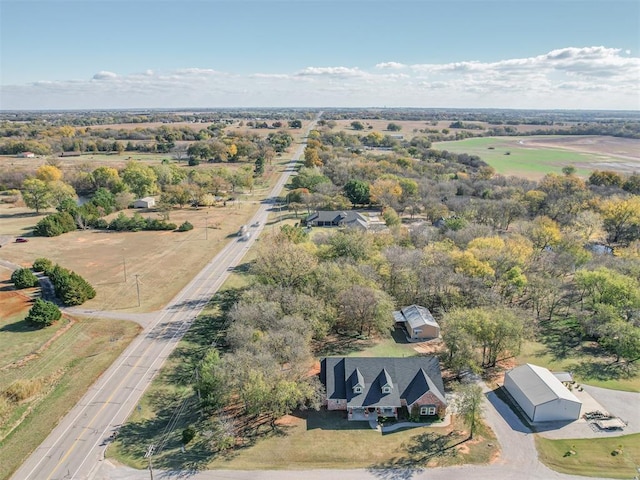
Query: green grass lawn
(586,362)
(523,161)
(18,338)
(288,447)
(613,457)
(328,432)
(385,347)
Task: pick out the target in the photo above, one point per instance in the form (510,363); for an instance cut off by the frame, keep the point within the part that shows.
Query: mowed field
(44,372)
(164,262)
(409,128)
(533,157)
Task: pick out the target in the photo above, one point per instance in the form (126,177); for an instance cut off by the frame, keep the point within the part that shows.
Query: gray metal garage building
(541,395)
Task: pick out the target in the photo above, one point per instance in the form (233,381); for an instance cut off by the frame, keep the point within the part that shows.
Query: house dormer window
(386,389)
(357,389)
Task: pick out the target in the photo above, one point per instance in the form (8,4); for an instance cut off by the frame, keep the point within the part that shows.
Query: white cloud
(331,72)
(589,77)
(391,65)
(104,75)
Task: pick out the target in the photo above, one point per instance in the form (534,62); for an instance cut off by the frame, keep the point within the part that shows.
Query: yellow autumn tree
(49,173)
(385,191)
(621,218)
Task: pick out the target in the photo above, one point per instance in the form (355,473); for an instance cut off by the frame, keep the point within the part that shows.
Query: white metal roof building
(146,202)
(541,395)
(418,321)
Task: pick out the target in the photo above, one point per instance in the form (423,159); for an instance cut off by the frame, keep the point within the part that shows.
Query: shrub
(156,224)
(193,162)
(185,227)
(122,223)
(24,278)
(43,265)
(188,434)
(43,313)
(100,224)
(70,287)
(55,224)
(22,389)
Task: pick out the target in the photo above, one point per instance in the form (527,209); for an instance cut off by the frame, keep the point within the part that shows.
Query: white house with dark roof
(541,396)
(372,387)
(418,322)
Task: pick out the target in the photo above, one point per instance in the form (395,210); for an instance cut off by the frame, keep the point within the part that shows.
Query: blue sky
(58,54)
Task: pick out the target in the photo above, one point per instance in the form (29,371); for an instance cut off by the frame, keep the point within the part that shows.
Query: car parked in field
(21,240)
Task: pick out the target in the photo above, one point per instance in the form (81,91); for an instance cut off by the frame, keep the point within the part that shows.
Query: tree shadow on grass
(341,345)
(416,454)
(590,370)
(164,432)
(561,339)
(331,420)
(21,326)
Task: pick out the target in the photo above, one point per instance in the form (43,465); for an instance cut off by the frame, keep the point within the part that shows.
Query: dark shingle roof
(410,378)
(347,217)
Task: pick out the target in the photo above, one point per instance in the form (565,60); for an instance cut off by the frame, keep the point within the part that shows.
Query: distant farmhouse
(369,388)
(146,202)
(541,396)
(331,218)
(418,322)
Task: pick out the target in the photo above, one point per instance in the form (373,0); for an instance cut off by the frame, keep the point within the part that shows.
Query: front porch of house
(366,414)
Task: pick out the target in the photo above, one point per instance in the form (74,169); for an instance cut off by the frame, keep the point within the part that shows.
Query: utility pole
(138,288)
(198,383)
(124,268)
(147,455)
(206,227)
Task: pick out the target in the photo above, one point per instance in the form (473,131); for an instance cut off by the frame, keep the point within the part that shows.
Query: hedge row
(70,287)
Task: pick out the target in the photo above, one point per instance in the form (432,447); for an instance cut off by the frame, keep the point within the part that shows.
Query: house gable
(382,382)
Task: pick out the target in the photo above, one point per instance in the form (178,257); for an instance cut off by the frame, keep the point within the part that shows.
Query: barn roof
(539,385)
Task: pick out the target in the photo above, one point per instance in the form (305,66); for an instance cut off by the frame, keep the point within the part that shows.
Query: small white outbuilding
(146,202)
(542,397)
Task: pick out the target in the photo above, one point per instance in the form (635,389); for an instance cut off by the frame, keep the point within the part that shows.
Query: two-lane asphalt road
(76,446)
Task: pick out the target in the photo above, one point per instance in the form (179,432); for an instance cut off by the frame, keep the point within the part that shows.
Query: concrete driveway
(623,405)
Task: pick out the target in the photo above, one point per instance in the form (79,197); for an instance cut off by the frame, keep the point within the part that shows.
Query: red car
(21,240)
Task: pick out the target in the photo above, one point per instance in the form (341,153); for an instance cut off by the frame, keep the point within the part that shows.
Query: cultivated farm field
(533,157)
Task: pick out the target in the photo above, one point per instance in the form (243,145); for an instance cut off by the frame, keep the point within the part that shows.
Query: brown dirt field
(608,147)
(13,304)
(408,126)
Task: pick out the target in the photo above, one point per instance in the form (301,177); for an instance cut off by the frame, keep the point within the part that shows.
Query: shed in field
(542,397)
(146,202)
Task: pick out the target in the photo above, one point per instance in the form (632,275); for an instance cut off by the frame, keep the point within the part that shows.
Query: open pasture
(49,368)
(533,157)
(165,261)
